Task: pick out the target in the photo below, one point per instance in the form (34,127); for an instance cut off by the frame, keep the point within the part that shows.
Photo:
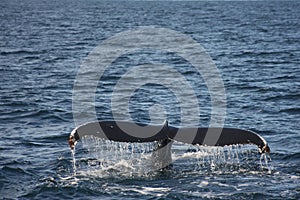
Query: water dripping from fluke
(112,151)
(221,160)
(73,161)
(265,162)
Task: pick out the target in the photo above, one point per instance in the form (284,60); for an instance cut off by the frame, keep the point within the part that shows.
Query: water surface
(255,45)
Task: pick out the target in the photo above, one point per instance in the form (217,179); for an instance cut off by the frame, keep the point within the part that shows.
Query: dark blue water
(255,45)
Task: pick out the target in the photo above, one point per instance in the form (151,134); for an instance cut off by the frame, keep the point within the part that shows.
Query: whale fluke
(124,131)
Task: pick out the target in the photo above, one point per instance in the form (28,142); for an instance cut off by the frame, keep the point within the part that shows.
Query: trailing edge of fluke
(138,132)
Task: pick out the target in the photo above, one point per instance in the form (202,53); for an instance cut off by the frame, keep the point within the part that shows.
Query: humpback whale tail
(138,132)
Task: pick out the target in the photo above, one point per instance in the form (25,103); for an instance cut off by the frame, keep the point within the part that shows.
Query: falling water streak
(237,154)
(74,161)
(235,158)
(265,162)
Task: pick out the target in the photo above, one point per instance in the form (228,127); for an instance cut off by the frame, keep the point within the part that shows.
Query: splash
(105,158)
(108,158)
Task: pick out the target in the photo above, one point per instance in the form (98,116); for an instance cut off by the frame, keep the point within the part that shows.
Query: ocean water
(255,46)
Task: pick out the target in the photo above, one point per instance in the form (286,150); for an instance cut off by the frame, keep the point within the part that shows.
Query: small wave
(22,51)
(282,97)
(150,191)
(285,77)
(13,170)
(294,157)
(260,53)
(42,114)
(291,110)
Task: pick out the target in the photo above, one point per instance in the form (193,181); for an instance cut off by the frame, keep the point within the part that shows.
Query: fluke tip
(71,142)
(265,149)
